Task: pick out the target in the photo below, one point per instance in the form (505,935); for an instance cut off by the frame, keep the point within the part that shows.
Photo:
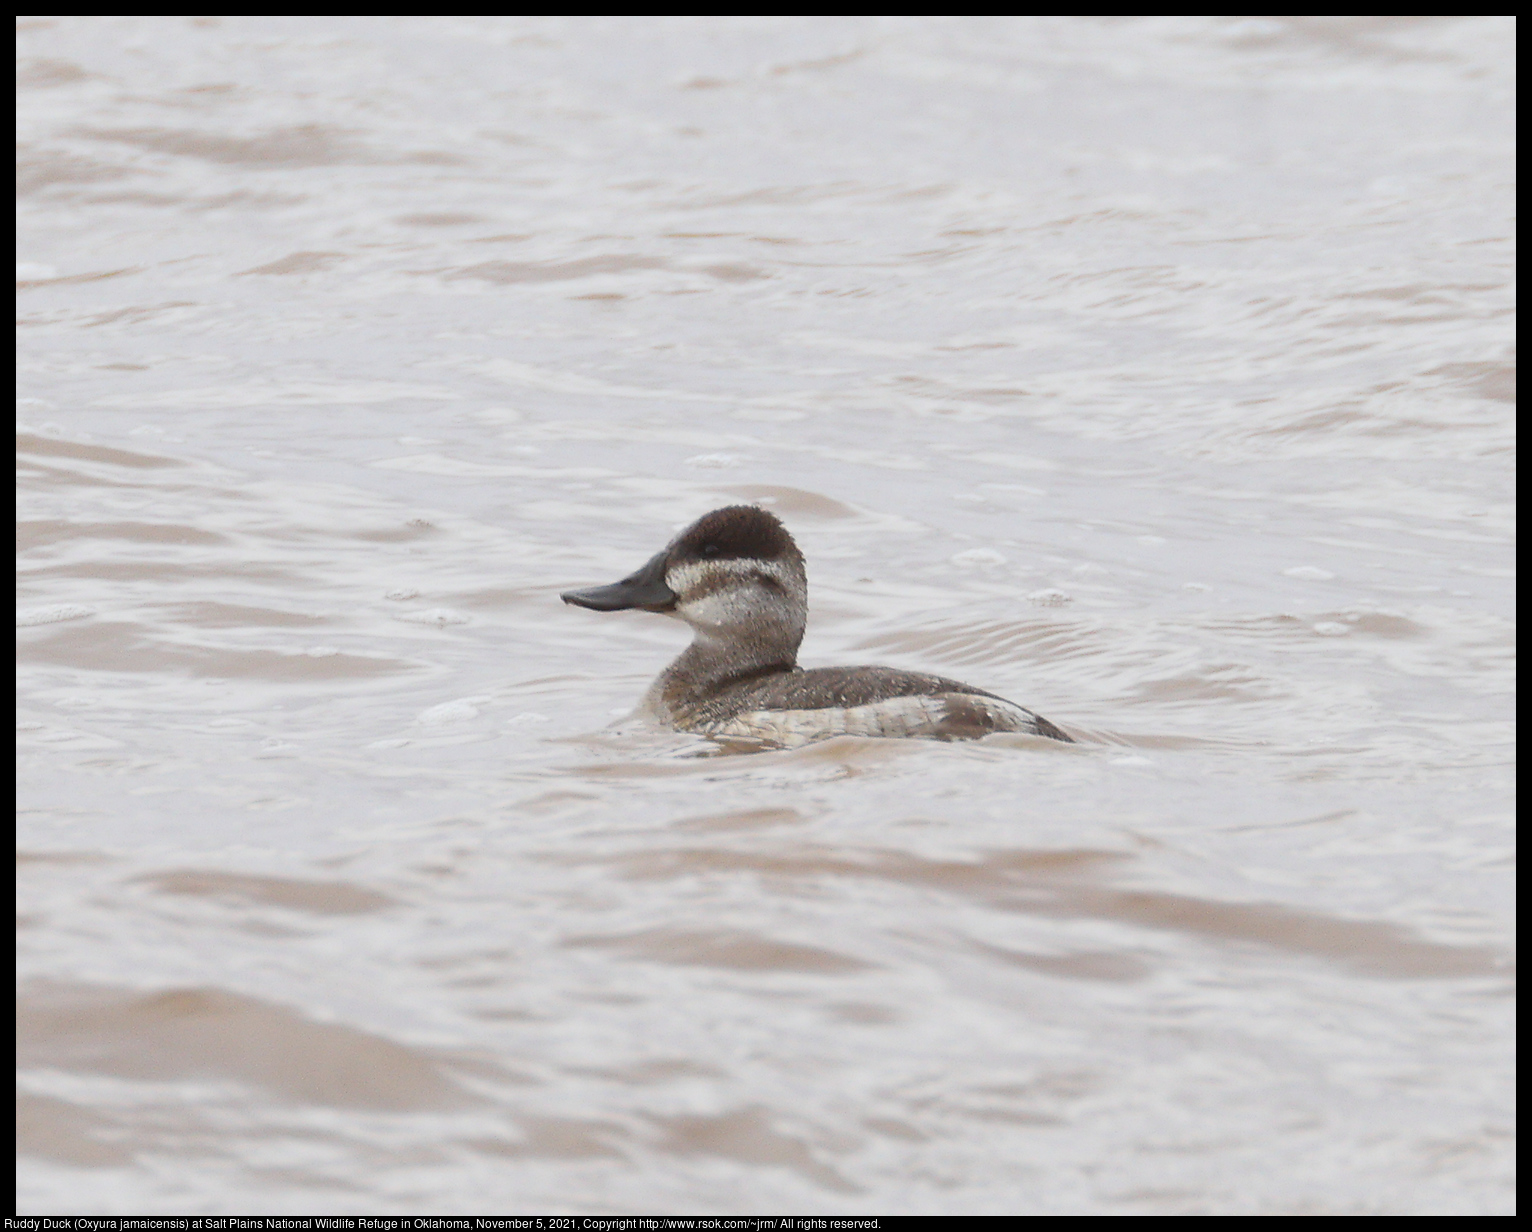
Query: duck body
(738,579)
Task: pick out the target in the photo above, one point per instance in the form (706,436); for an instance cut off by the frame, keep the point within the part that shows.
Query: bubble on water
(978,558)
(1049,598)
(1330,628)
(451,712)
(438,616)
(402,592)
(52,614)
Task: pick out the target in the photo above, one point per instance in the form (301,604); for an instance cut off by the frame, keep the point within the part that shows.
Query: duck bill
(645,589)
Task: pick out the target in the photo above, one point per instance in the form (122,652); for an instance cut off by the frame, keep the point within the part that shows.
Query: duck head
(733,574)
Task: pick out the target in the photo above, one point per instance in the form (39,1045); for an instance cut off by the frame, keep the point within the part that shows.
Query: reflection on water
(1153,372)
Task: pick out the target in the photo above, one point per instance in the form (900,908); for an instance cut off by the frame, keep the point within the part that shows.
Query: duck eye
(710,549)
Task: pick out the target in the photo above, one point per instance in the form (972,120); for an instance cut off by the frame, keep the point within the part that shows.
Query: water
(1154,373)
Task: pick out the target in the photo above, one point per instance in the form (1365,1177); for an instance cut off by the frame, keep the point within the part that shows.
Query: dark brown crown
(737,532)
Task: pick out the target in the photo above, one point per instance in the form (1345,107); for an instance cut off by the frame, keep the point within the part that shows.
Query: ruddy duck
(737,578)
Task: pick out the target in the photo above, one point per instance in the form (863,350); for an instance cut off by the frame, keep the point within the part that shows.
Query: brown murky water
(1154,373)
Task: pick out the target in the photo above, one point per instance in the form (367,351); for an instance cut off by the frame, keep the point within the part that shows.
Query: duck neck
(713,663)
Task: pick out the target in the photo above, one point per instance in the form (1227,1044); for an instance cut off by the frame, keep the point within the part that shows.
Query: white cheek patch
(721,607)
(682,578)
(691,575)
(722,592)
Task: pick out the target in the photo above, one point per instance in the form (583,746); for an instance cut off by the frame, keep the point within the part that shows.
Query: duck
(736,577)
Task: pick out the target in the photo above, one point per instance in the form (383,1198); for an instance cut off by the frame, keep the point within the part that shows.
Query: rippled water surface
(1154,373)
